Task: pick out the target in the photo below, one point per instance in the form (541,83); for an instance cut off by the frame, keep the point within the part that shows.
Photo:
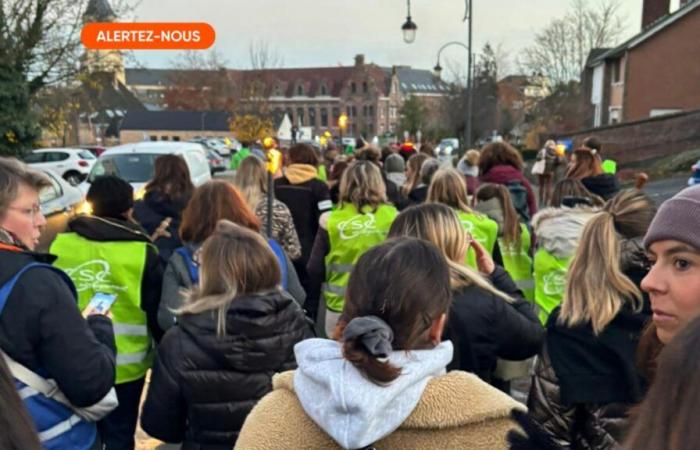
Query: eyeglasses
(33,212)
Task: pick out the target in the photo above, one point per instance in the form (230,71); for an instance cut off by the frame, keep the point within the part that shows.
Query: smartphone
(100,303)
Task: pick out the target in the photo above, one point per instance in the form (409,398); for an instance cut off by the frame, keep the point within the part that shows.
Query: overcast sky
(312,33)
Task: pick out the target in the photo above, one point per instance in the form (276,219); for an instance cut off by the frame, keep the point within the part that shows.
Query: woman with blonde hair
(489,318)
(361,221)
(586,377)
(586,166)
(236,329)
(251,180)
(448,187)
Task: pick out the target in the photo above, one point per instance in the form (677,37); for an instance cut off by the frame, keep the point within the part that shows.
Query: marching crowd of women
(396,303)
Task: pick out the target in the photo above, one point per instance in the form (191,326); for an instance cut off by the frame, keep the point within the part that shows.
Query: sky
(313,33)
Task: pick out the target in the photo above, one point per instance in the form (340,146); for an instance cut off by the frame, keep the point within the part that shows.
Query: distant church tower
(104,61)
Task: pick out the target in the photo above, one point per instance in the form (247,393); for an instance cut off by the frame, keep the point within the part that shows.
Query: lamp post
(342,124)
(409,27)
(409,35)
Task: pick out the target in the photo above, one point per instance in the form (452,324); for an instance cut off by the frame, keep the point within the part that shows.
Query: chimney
(654,10)
(359,60)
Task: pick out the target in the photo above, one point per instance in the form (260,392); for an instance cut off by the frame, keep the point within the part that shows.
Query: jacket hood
(351,409)
(399,179)
(300,173)
(492,208)
(502,174)
(100,229)
(261,330)
(467,169)
(162,205)
(558,230)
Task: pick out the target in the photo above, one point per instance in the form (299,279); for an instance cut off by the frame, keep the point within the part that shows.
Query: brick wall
(645,139)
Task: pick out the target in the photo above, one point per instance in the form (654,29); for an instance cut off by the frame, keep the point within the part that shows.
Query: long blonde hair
(440,225)
(251,180)
(234,261)
(362,185)
(413,166)
(596,287)
(449,188)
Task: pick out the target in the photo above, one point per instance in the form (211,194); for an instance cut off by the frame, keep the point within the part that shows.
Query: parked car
(72,164)
(695,176)
(446,151)
(59,203)
(216,162)
(135,163)
(214,144)
(96,150)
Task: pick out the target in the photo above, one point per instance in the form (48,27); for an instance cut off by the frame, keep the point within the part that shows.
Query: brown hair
(499,154)
(667,418)
(405,282)
(413,167)
(570,187)
(235,261)
(512,232)
(214,201)
(13,174)
(362,185)
(303,154)
(172,178)
(427,150)
(596,287)
(371,154)
(18,429)
(586,165)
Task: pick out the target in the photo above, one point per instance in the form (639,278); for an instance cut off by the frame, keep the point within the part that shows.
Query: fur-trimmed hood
(558,230)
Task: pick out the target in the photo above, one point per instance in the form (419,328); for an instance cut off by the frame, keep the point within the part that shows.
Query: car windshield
(132,167)
(86,155)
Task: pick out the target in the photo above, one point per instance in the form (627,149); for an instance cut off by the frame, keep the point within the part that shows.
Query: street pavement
(659,191)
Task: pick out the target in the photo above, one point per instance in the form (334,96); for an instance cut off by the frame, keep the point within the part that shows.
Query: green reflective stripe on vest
(550,282)
(483,229)
(351,234)
(518,263)
(112,268)
(322,175)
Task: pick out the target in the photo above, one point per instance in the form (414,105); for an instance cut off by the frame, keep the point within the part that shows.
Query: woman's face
(23,217)
(673,284)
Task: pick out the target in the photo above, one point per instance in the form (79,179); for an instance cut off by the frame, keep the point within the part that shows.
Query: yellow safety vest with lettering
(112,267)
(483,229)
(351,234)
(518,263)
(550,282)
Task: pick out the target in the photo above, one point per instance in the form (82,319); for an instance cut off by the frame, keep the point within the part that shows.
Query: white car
(135,163)
(71,164)
(59,203)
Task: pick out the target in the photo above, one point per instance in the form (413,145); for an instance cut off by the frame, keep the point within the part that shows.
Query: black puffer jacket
(152,211)
(604,185)
(484,327)
(203,386)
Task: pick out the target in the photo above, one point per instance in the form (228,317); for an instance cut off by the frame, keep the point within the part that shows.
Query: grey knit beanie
(394,163)
(678,219)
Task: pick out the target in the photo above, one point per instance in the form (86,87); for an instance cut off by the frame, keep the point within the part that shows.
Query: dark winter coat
(505,174)
(484,327)
(41,328)
(203,386)
(101,229)
(604,185)
(154,209)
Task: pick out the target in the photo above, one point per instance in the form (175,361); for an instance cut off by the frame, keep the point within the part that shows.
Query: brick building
(370,95)
(517,96)
(654,73)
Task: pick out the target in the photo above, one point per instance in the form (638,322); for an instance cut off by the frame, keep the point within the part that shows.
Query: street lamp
(342,124)
(437,71)
(409,27)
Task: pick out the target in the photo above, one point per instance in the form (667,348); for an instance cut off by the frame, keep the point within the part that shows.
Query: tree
(249,128)
(485,100)
(413,114)
(562,111)
(560,50)
(18,124)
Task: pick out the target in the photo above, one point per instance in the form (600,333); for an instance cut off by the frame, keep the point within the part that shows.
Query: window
(50,193)
(300,90)
(324,117)
(336,113)
(176,138)
(324,91)
(312,117)
(34,158)
(56,157)
(617,70)
(371,110)
(86,155)
(364,110)
(153,138)
(132,167)
(300,116)
(371,128)
(354,111)
(164,138)
(353,88)
(365,87)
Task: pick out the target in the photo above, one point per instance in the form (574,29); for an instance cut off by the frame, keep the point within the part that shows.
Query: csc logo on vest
(554,283)
(359,225)
(93,275)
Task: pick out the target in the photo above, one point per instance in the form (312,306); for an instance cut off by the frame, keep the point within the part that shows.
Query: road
(664,189)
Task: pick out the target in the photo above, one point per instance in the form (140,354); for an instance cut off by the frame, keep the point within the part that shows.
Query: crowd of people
(397,302)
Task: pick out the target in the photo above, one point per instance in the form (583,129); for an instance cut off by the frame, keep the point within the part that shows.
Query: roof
(656,27)
(176,120)
(159,147)
(156,77)
(99,11)
(417,81)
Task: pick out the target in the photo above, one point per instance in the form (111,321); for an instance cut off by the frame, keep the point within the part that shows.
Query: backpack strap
(281,258)
(6,289)
(189,260)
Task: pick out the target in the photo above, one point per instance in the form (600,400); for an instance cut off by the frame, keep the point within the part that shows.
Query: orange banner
(148,36)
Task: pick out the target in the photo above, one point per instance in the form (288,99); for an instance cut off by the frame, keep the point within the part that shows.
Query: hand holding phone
(100,303)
